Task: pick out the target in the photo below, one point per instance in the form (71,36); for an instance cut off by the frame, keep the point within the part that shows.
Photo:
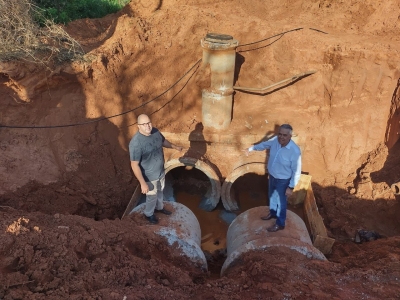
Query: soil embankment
(62,190)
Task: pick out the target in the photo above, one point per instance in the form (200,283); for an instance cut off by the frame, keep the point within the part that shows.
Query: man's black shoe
(268,217)
(164,211)
(152,219)
(275,228)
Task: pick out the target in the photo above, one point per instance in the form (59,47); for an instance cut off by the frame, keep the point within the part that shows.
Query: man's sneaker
(152,219)
(163,211)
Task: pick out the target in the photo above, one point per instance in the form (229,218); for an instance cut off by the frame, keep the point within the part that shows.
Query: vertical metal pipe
(219,51)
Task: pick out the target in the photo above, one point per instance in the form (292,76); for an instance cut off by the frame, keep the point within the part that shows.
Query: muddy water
(189,187)
(213,227)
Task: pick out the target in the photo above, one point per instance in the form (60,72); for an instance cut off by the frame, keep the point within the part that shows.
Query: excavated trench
(192,188)
(83,178)
(187,185)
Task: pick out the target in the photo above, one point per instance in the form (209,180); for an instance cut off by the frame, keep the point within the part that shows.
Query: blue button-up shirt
(283,162)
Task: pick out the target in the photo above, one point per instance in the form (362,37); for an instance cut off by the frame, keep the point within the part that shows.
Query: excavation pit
(248,191)
(65,189)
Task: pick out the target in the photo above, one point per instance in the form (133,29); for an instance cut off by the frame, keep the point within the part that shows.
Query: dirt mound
(71,257)
(64,187)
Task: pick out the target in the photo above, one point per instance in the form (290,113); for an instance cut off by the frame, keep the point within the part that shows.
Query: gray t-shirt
(148,151)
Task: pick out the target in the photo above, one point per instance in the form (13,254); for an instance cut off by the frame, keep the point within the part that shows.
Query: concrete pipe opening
(251,178)
(181,229)
(212,190)
(248,233)
(396,188)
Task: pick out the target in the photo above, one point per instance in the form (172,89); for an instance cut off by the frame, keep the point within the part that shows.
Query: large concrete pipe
(181,229)
(219,51)
(213,194)
(396,188)
(227,194)
(248,233)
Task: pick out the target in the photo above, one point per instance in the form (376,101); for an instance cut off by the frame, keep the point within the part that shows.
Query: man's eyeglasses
(283,134)
(145,124)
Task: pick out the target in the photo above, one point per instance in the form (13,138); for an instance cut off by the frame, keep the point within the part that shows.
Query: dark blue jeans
(277,198)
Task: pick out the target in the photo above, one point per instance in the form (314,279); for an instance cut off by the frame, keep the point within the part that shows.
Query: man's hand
(288,192)
(145,188)
(179,148)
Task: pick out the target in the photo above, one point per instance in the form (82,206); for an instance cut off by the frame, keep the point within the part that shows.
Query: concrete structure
(227,195)
(213,194)
(181,229)
(223,163)
(248,233)
(396,188)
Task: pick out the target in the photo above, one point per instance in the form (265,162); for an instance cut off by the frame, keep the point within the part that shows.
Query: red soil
(63,190)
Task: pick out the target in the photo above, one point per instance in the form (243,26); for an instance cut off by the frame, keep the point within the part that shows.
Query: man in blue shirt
(284,169)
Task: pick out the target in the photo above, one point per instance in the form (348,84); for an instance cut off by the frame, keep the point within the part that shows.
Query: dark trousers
(277,198)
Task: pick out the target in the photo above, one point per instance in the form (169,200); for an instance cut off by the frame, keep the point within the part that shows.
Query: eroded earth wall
(340,113)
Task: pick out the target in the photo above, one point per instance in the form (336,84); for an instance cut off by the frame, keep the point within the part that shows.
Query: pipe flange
(217,41)
(218,37)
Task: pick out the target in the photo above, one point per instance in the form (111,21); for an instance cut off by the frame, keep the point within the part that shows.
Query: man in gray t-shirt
(147,162)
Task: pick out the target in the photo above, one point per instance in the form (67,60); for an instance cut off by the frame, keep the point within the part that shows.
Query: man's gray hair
(287,126)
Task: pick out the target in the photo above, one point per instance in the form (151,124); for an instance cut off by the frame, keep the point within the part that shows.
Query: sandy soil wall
(345,110)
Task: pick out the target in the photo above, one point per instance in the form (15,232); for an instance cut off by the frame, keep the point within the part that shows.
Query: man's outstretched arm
(168,144)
